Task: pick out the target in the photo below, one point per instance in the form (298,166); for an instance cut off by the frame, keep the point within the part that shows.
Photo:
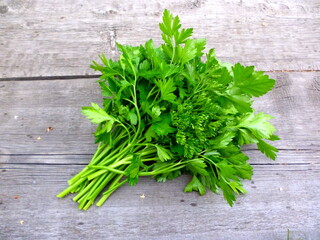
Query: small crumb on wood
(16,117)
(38,138)
(142,196)
(264,24)
(16,196)
(280,189)
(49,129)
(21,222)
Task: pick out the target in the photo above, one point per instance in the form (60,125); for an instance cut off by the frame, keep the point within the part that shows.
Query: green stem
(100,154)
(85,190)
(86,171)
(87,196)
(110,169)
(166,169)
(96,157)
(98,150)
(116,164)
(111,189)
(101,186)
(122,161)
(70,188)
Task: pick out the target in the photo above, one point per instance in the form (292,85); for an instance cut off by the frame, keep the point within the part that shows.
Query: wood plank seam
(84,164)
(75,77)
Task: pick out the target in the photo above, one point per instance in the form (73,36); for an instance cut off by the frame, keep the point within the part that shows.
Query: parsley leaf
(267,149)
(250,82)
(195,185)
(97,114)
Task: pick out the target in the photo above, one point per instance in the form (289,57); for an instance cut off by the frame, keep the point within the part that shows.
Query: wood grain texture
(54,38)
(285,157)
(279,198)
(29,107)
(60,38)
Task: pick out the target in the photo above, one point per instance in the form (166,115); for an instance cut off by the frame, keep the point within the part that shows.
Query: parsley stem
(85,190)
(98,173)
(110,169)
(94,160)
(85,202)
(114,186)
(70,188)
(101,186)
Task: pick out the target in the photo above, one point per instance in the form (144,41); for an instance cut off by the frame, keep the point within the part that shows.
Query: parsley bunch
(166,112)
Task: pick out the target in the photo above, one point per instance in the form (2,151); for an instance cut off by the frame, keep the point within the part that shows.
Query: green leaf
(223,140)
(226,171)
(167,87)
(144,66)
(238,158)
(267,149)
(96,114)
(154,54)
(197,166)
(250,82)
(150,134)
(183,35)
(132,172)
(163,177)
(193,48)
(228,180)
(162,127)
(195,185)
(177,149)
(210,181)
(163,153)
(241,103)
(237,187)
(133,117)
(107,102)
(212,63)
(258,124)
(245,136)
(244,171)
(106,128)
(228,192)
(274,138)
(143,89)
(97,67)
(155,111)
(169,26)
(167,70)
(105,90)
(225,77)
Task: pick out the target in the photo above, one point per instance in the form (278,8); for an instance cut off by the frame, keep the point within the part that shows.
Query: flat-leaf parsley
(166,112)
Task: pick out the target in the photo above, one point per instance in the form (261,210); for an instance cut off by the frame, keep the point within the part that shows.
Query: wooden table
(45,51)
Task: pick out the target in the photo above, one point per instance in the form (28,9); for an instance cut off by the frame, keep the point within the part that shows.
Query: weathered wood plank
(285,157)
(55,38)
(279,198)
(29,107)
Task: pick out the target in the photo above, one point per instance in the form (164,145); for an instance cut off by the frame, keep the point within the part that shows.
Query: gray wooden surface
(45,50)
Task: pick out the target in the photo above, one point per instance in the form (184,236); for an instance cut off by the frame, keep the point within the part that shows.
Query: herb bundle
(166,112)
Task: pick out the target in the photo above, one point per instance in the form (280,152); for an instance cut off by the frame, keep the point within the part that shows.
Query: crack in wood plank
(76,77)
